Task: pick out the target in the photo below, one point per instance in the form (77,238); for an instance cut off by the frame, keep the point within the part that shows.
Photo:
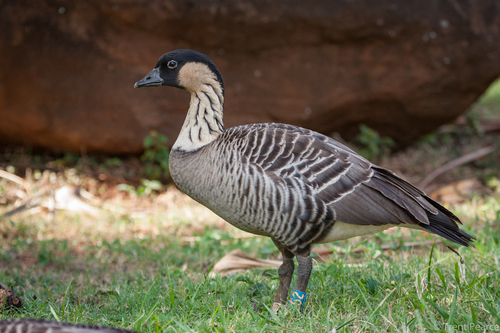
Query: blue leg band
(298,298)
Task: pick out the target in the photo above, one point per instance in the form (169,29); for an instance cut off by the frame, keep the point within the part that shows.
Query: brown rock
(402,67)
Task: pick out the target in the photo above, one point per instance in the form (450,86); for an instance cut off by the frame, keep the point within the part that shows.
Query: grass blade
(183,327)
(363,291)
(345,324)
(54,313)
(457,274)
(377,307)
(150,313)
(429,270)
(380,304)
(441,277)
(170,290)
(491,310)
(275,317)
(441,311)
(453,306)
(146,295)
(65,297)
(437,262)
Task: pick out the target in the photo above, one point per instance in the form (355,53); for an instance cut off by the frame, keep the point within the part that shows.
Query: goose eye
(172,64)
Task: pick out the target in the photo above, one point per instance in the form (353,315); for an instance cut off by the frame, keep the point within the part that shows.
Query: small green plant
(155,157)
(431,139)
(372,144)
(112,162)
(127,188)
(147,187)
(71,158)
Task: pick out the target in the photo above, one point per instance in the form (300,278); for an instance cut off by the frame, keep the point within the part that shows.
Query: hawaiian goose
(294,185)
(28,325)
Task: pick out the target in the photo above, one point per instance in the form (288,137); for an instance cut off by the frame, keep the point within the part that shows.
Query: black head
(175,69)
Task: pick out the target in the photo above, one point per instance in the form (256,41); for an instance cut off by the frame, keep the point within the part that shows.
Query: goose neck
(203,123)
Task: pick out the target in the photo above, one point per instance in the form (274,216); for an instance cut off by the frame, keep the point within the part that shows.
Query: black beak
(153,79)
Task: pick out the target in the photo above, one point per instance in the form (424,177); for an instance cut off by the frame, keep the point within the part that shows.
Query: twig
(26,204)
(457,162)
(15,179)
(490,125)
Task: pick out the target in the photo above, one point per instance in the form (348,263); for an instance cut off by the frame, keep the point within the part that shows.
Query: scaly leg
(299,295)
(285,273)
(303,273)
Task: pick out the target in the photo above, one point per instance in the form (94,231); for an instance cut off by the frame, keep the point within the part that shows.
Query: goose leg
(285,272)
(303,273)
(299,295)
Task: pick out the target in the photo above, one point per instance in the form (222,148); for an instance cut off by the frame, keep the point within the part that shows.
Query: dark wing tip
(445,224)
(455,235)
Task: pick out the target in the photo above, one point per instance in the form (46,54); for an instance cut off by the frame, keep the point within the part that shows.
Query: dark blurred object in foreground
(33,325)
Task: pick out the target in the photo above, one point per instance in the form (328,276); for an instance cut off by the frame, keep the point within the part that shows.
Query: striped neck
(203,122)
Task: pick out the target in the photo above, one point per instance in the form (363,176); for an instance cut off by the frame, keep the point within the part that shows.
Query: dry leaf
(237,261)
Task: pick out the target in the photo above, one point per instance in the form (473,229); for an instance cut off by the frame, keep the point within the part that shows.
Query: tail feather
(445,224)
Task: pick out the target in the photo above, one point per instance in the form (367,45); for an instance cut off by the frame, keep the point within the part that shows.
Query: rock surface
(402,67)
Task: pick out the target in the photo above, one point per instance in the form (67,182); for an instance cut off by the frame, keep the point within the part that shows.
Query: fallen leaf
(237,261)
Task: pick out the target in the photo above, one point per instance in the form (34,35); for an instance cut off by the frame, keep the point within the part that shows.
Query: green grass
(161,284)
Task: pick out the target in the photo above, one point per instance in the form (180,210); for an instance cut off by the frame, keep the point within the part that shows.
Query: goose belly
(239,218)
(343,231)
(242,211)
(231,207)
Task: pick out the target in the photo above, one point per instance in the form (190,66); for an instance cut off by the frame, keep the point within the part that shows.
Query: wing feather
(360,192)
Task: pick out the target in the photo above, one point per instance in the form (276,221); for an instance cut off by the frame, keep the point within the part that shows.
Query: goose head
(185,69)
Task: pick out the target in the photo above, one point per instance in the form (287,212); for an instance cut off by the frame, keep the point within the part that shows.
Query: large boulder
(402,67)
